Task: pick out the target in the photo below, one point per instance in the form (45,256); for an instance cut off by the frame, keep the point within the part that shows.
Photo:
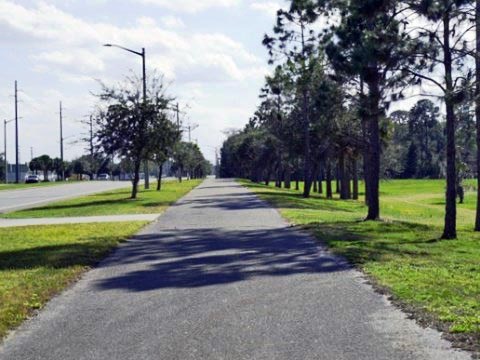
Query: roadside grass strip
(436,281)
(38,262)
(115,202)
(29,186)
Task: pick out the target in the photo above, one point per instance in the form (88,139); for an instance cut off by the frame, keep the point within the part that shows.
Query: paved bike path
(222,276)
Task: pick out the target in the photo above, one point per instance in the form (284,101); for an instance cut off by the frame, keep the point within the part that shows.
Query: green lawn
(37,262)
(116,202)
(439,280)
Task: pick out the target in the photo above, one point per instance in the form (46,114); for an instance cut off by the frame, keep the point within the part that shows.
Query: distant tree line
(340,64)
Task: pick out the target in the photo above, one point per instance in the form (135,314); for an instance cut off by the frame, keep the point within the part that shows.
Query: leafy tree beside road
(42,163)
(129,128)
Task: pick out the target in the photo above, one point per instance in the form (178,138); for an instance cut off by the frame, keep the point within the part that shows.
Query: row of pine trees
(339,66)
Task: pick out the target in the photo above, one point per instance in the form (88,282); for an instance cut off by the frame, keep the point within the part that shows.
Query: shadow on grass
(92,203)
(292,199)
(139,202)
(361,242)
(297,201)
(57,256)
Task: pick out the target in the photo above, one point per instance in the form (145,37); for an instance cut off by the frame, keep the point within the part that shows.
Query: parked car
(103,177)
(32,179)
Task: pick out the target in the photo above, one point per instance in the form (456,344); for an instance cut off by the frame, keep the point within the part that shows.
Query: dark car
(32,179)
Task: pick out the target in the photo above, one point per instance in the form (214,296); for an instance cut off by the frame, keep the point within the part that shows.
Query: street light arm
(124,48)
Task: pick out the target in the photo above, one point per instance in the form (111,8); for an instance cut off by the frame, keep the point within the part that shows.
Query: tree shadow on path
(196,258)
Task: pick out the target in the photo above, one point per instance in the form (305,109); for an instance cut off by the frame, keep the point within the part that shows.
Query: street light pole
(61,142)
(17,170)
(144,74)
(5,122)
(145,169)
(5,149)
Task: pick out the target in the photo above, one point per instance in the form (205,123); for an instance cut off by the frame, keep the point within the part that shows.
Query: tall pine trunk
(373,175)
(288,177)
(337,179)
(477,110)
(314,179)
(348,183)
(365,140)
(450,228)
(136,179)
(307,158)
(159,180)
(355,177)
(297,180)
(343,177)
(320,178)
(278,179)
(328,179)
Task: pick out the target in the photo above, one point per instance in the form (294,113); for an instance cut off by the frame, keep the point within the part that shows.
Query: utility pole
(91,144)
(217,164)
(61,142)
(177,110)
(190,129)
(5,122)
(17,165)
(31,153)
(91,136)
(5,149)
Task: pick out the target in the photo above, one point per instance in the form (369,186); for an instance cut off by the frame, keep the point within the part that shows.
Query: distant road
(11,200)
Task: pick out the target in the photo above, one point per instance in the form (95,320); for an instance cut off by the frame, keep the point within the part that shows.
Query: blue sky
(209,50)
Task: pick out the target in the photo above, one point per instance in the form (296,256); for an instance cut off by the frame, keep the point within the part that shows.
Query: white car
(32,179)
(103,177)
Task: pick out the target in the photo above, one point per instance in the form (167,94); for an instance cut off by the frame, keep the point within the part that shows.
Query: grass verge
(437,281)
(116,202)
(28,186)
(37,262)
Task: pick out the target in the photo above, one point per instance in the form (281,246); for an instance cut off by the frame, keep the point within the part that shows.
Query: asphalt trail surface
(222,276)
(11,200)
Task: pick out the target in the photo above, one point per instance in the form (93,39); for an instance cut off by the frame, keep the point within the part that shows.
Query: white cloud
(191,6)
(269,8)
(172,22)
(83,60)
(74,44)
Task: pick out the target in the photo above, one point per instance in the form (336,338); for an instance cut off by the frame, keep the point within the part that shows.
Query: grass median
(29,186)
(115,202)
(37,262)
(438,281)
